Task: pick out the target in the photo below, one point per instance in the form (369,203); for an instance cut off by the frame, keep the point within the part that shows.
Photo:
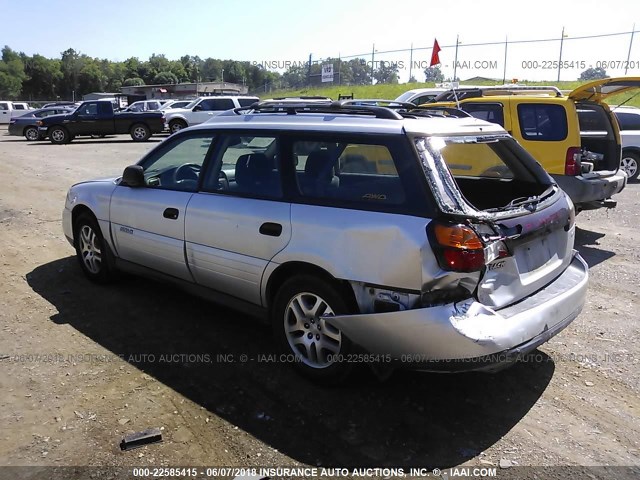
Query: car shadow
(92,141)
(413,419)
(585,239)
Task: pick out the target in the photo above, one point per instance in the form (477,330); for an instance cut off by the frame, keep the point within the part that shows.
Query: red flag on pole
(435,58)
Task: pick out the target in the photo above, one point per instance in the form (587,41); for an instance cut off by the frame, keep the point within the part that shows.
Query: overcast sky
(287,30)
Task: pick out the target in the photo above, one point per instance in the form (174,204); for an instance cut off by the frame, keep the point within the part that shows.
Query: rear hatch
(525,222)
(599,130)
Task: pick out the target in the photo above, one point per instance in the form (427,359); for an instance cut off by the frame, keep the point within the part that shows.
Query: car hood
(113,180)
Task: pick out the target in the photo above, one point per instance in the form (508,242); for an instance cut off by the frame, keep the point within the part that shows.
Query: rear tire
(59,135)
(31,134)
(92,251)
(140,132)
(177,125)
(629,163)
(317,350)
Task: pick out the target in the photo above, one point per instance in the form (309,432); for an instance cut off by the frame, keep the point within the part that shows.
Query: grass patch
(392,91)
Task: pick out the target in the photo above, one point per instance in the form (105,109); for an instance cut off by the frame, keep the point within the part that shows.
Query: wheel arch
(632,149)
(26,127)
(75,214)
(289,269)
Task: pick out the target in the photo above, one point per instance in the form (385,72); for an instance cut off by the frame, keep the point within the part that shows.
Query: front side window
(362,173)
(89,109)
(178,166)
(543,122)
(246,166)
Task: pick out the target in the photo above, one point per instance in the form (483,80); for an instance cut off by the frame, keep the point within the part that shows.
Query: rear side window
(542,122)
(4,106)
(217,104)
(491,112)
(246,102)
(358,173)
(628,121)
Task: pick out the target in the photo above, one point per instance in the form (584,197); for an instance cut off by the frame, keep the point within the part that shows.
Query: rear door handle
(171,213)
(271,229)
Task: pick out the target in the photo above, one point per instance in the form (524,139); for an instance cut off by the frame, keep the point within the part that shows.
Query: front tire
(31,134)
(318,350)
(59,135)
(140,133)
(92,251)
(629,163)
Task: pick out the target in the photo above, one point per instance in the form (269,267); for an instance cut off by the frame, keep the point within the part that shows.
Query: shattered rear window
(474,160)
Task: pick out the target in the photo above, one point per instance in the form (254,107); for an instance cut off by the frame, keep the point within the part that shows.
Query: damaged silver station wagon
(426,239)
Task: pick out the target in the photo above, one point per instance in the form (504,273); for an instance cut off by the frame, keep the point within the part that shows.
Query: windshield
(191,104)
(405,96)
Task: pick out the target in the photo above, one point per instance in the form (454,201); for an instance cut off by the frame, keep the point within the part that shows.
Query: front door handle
(171,213)
(271,229)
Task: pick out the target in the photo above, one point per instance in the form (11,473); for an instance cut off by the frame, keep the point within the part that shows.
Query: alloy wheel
(90,250)
(310,337)
(629,165)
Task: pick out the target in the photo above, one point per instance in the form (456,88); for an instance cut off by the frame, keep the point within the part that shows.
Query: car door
(239,220)
(5,113)
(85,120)
(147,223)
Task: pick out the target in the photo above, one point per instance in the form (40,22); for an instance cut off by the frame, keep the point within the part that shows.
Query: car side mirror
(197,108)
(133,176)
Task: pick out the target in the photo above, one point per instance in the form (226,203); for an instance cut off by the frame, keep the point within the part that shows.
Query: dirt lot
(82,365)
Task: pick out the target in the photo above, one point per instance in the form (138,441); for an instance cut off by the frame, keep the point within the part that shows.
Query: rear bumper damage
(467,335)
(592,190)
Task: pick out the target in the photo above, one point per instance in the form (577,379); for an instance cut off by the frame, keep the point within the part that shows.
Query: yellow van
(575,137)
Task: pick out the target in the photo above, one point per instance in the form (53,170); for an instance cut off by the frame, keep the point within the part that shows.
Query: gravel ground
(82,365)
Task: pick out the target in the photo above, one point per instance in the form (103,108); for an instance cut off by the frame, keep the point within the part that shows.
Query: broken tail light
(572,164)
(458,247)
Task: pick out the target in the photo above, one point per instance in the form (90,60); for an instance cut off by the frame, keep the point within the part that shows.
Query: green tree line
(35,77)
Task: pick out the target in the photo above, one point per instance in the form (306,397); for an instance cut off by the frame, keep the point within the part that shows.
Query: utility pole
(309,72)
(560,59)
(504,72)
(626,67)
(455,61)
(411,62)
(373,54)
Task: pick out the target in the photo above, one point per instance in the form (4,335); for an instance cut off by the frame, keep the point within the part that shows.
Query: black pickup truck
(98,118)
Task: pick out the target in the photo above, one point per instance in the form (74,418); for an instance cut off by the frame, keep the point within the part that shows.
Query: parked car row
(27,125)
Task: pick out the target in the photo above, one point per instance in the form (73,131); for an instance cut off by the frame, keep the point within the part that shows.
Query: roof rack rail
(472,92)
(523,88)
(330,107)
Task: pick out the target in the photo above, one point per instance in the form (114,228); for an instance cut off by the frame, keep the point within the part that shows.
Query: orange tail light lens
(458,248)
